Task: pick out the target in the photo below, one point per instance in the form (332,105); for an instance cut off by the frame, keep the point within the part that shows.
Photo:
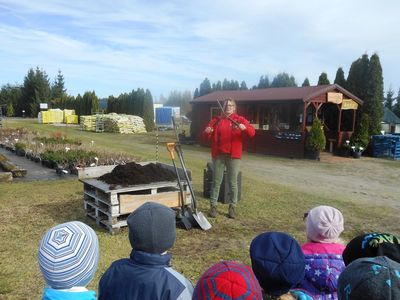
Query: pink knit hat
(324,224)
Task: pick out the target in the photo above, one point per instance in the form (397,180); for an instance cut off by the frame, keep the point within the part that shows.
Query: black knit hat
(371,245)
(372,278)
(152,228)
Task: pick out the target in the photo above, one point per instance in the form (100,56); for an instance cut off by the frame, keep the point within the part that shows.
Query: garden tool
(185,217)
(223,112)
(201,220)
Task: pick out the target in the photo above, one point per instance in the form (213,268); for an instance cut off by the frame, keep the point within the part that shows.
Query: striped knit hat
(227,280)
(68,255)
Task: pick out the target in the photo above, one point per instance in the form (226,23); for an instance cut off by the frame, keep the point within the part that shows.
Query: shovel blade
(202,220)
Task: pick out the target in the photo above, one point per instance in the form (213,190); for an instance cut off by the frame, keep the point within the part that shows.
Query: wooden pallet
(110,206)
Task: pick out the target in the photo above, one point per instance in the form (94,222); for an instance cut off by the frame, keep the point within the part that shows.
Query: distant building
(390,122)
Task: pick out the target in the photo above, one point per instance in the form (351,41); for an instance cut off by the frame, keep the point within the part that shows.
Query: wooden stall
(283,116)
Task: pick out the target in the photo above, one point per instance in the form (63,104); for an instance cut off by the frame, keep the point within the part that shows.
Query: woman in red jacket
(225,133)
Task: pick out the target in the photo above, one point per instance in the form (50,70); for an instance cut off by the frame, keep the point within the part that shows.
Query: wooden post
(354,119)
(340,118)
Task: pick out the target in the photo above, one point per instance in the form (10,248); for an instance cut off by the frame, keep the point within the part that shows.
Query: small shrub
(316,141)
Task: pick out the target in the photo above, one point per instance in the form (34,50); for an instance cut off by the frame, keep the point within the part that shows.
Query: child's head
(277,262)
(324,224)
(228,280)
(372,278)
(68,255)
(152,228)
(371,245)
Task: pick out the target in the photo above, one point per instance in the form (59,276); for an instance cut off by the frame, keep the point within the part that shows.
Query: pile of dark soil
(133,173)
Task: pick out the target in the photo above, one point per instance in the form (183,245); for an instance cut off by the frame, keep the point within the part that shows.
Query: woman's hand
(208,130)
(242,127)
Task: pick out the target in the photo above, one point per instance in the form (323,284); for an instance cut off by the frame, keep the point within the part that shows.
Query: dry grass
(29,209)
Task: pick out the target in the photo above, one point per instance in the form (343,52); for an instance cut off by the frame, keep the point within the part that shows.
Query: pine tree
(357,79)
(264,82)
(389,99)
(361,136)
(205,87)
(396,106)
(196,93)
(373,104)
(283,80)
(340,79)
(306,82)
(243,86)
(323,79)
(58,88)
(148,111)
(10,110)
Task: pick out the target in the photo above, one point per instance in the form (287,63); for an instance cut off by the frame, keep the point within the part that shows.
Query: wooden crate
(110,206)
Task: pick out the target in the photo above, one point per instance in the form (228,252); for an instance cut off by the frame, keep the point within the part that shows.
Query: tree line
(24,100)
(365,80)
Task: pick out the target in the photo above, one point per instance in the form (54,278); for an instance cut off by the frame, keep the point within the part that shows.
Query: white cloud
(113,47)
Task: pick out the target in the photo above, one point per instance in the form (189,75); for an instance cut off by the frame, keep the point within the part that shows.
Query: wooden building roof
(305,94)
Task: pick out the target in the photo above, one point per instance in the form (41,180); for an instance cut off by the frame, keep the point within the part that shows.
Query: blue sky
(112,47)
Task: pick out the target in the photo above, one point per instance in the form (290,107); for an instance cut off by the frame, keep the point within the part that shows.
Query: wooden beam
(354,119)
(340,118)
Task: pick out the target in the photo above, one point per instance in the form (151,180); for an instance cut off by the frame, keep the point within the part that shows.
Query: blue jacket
(144,276)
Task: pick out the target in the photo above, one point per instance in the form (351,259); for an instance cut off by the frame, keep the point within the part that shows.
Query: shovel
(197,215)
(185,216)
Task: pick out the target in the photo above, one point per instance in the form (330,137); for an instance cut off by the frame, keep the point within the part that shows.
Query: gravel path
(35,171)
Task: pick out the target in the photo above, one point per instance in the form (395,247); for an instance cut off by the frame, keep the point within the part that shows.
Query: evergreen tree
(205,87)
(196,93)
(283,80)
(10,110)
(389,99)
(36,89)
(306,82)
(396,106)
(373,104)
(58,88)
(264,82)
(226,85)
(361,136)
(148,111)
(357,79)
(340,79)
(323,79)
(218,86)
(243,86)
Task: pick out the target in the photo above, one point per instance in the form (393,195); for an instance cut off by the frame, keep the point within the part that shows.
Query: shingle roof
(276,94)
(390,117)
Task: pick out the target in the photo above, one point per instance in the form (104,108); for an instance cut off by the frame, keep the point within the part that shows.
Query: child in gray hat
(146,274)
(372,278)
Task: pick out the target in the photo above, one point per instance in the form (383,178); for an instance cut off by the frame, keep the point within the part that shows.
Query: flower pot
(312,154)
(356,154)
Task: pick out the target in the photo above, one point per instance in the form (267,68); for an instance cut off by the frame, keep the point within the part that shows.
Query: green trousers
(232,166)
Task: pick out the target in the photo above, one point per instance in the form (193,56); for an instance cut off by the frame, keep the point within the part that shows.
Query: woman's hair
(229,99)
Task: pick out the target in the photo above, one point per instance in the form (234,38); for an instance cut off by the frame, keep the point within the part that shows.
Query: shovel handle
(171,149)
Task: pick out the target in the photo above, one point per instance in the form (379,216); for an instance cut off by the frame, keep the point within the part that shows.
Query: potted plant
(360,138)
(356,151)
(315,140)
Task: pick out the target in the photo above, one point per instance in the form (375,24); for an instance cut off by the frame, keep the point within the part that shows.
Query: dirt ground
(369,180)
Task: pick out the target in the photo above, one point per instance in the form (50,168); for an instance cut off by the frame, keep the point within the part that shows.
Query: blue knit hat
(152,228)
(227,280)
(277,262)
(68,255)
(372,278)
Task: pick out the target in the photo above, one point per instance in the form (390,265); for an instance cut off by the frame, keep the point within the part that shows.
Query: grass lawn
(29,209)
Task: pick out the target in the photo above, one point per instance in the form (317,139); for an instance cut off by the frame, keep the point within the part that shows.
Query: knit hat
(68,255)
(277,262)
(152,228)
(370,278)
(227,280)
(371,245)
(324,224)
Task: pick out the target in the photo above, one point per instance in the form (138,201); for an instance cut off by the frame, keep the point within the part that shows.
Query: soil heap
(133,173)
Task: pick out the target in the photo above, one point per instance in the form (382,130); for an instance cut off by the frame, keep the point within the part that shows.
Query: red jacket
(226,137)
